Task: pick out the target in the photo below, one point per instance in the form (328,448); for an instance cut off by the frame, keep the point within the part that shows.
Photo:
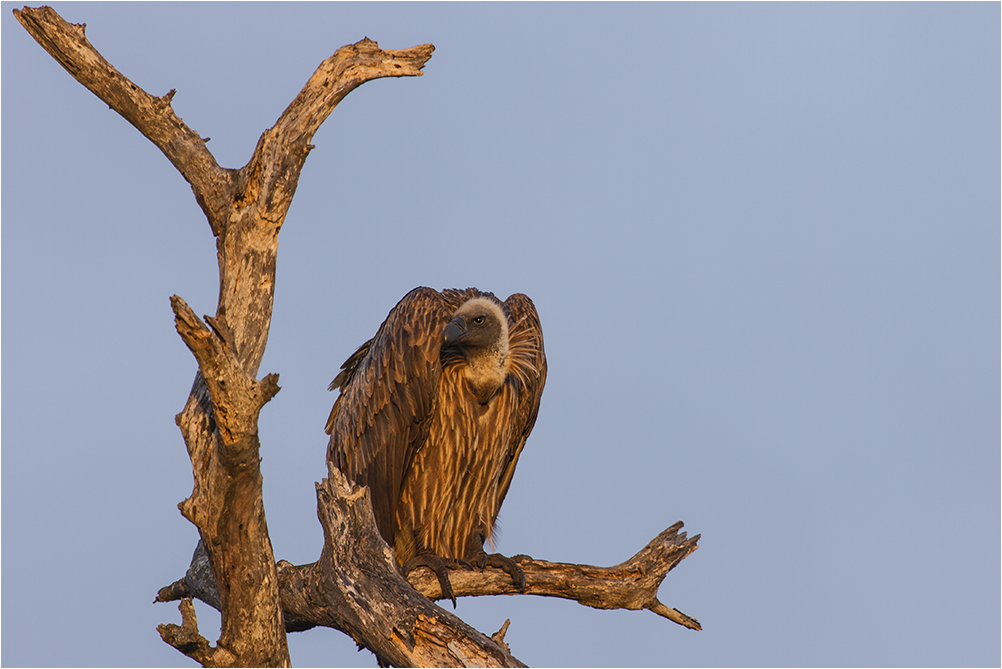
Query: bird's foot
(506,564)
(441,567)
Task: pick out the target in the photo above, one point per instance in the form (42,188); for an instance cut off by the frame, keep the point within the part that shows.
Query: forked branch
(357,555)
(355,585)
(215,188)
(245,209)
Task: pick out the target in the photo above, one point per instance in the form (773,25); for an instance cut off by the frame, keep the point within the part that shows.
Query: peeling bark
(354,586)
(358,553)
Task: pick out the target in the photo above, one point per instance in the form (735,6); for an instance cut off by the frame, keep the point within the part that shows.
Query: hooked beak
(453,331)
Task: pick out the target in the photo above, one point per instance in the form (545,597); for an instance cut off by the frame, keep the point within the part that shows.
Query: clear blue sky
(764,242)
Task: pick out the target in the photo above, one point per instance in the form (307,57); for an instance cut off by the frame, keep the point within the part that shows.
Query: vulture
(432,416)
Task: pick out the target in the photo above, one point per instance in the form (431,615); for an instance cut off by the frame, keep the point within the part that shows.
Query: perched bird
(433,414)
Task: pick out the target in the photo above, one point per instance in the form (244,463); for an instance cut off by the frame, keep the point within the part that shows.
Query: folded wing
(388,389)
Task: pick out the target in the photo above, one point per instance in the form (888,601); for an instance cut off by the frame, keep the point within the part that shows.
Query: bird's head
(479,328)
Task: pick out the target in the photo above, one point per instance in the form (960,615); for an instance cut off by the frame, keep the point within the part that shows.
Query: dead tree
(354,586)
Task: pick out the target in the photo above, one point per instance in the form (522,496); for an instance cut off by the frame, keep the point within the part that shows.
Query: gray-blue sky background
(763,241)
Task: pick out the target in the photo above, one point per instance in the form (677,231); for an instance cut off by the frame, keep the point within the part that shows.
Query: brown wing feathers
(387,398)
(389,389)
(528,360)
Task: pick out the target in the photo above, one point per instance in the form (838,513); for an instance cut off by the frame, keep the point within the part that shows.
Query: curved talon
(441,567)
(506,564)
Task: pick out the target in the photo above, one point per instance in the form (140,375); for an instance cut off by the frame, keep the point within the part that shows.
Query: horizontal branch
(355,586)
(630,585)
(153,116)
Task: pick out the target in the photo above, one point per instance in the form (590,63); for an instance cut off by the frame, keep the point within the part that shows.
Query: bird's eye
(479,320)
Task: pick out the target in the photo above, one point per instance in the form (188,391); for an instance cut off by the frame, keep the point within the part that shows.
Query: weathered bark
(152,116)
(227,505)
(632,584)
(354,586)
(245,209)
(629,585)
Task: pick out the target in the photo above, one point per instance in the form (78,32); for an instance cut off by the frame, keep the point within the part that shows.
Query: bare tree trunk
(354,586)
